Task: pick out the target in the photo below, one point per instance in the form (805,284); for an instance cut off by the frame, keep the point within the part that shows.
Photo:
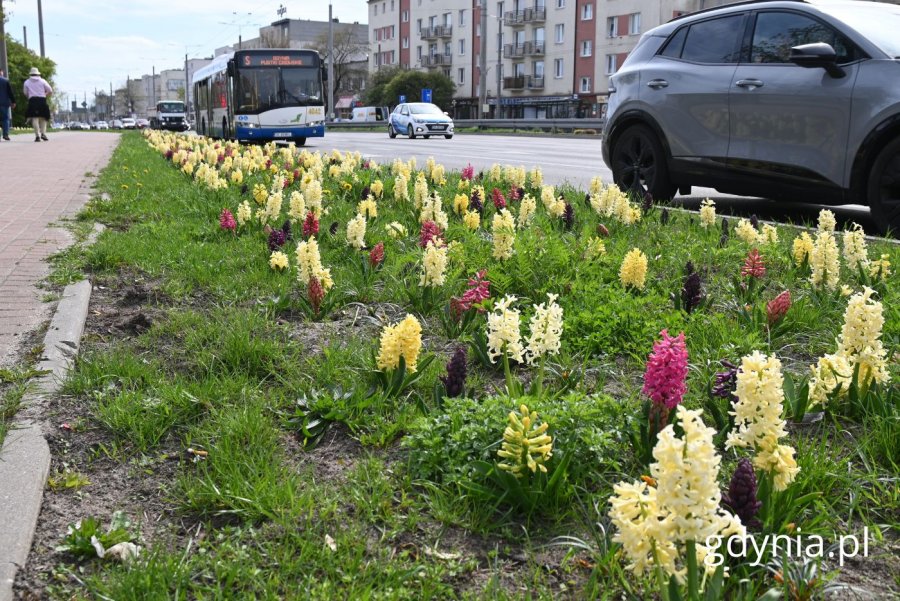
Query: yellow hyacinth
(707,213)
(824,262)
(472,220)
(503,229)
(401,340)
(526,445)
(746,232)
(460,204)
(260,194)
(278,261)
(356,232)
(633,271)
(367,208)
(434,264)
(802,249)
(377,188)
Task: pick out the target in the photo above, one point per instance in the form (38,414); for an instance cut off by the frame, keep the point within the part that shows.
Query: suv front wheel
(884,188)
(638,164)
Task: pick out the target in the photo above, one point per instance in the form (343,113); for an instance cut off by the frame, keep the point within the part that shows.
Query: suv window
(713,41)
(776,33)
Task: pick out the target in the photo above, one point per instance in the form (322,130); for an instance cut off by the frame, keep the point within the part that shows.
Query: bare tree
(271,39)
(351,59)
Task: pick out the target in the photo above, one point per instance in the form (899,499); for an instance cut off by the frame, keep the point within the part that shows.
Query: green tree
(21,60)
(378,81)
(407,83)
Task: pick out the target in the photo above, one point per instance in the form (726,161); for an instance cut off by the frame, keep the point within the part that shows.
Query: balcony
(513,50)
(437,60)
(534,48)
(439,31)
(535,15)
(514,83)
(535,83)
(514,18)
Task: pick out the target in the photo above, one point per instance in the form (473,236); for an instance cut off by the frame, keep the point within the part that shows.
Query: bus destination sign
(273,60)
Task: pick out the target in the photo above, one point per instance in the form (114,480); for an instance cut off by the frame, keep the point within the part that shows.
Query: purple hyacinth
(741,496)
(647,202)
(723,240)
(664,217)
(725,225)
(569,216)
(455,381)
(276,240)
(691,293)
(286,228)
(333,228)
(754,221)
(475,201)
(726,381)
(365,193)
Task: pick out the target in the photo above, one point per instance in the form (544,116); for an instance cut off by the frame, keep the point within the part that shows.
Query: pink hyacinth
(499,200)
(479,291)
(753,265)
(778,307)
(310,225)
(376,255)
(667,369)
(226,221)
(430,232)
(468,172)
(316,294)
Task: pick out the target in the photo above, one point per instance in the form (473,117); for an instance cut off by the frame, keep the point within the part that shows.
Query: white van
(370,113)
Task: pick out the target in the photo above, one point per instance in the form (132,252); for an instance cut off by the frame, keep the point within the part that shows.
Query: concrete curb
(25,456)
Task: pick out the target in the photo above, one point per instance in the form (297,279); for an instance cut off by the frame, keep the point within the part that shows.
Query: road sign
(402,98)
(426,94)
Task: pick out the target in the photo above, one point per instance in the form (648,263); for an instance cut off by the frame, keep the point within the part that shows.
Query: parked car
(420,119)
(77,125)
(101,125)
(129,123)
(782,99)
(142,123)
(116,124)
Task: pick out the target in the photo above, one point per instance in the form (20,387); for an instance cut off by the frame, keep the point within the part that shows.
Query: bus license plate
(282,134)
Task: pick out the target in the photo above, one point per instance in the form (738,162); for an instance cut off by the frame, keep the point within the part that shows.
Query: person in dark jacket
(36,91)
(7,102)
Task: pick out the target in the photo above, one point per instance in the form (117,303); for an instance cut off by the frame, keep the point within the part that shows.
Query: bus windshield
(170,107)
(260,89)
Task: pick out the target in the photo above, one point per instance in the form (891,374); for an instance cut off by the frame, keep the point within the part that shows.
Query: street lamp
(483,58)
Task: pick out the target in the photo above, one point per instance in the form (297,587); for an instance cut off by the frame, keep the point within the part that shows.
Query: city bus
(261,95)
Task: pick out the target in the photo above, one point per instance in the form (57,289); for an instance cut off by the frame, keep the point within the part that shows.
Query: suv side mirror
(813,56)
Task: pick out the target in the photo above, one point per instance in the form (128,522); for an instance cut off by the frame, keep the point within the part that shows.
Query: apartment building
(543,58)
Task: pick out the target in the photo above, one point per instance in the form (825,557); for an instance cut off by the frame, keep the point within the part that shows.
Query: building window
(560,3)
(460,76)
(419,53)
(404,16)
(560,33)
(586,48)
(393,33)
(406,42)
(558,68)
(462,47)
(612,27)
(418,26)
(585,86)
(462,17)
(538,68)
(447,72)
(478,30)
(375,10)
(587,12)
(611,65)
(634,23)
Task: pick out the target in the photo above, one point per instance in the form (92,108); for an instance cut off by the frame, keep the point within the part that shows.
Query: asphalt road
(562,159)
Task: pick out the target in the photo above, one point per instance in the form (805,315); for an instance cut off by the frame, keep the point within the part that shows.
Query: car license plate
(441,127)
(282,134)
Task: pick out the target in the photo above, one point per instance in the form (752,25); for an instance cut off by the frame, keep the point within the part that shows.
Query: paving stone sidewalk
(39,184)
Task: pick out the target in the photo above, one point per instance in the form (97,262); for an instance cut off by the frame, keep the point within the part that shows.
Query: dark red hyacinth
(741,496)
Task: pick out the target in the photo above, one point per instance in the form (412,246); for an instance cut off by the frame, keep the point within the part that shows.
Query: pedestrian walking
(36,91)
(7,103)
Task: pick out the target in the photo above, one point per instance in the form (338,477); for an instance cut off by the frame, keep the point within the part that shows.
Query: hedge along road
(562,159)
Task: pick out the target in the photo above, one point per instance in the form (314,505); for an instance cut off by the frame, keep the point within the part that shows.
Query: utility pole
(4,66)
(153,87)
(330,64)
(187,86)
(499,64)
(41,28)
(25,36)
(482,61)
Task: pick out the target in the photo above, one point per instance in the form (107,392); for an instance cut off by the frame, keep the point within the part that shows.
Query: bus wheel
(300,141)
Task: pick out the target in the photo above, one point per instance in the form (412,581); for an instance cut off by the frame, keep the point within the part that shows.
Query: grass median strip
(438,387)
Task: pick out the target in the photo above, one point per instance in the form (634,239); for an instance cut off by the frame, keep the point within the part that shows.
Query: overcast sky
(96,43)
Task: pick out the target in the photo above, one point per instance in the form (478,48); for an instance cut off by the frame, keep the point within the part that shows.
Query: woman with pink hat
(36,91)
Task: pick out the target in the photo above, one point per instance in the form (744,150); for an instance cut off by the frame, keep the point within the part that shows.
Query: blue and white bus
(261,95)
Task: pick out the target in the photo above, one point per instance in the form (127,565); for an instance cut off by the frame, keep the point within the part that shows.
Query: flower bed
(538,365)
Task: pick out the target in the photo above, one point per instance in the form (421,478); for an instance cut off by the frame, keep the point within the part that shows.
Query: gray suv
(782,99)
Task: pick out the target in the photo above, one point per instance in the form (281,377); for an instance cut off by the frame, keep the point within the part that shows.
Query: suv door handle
(749,83)
(657,84)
